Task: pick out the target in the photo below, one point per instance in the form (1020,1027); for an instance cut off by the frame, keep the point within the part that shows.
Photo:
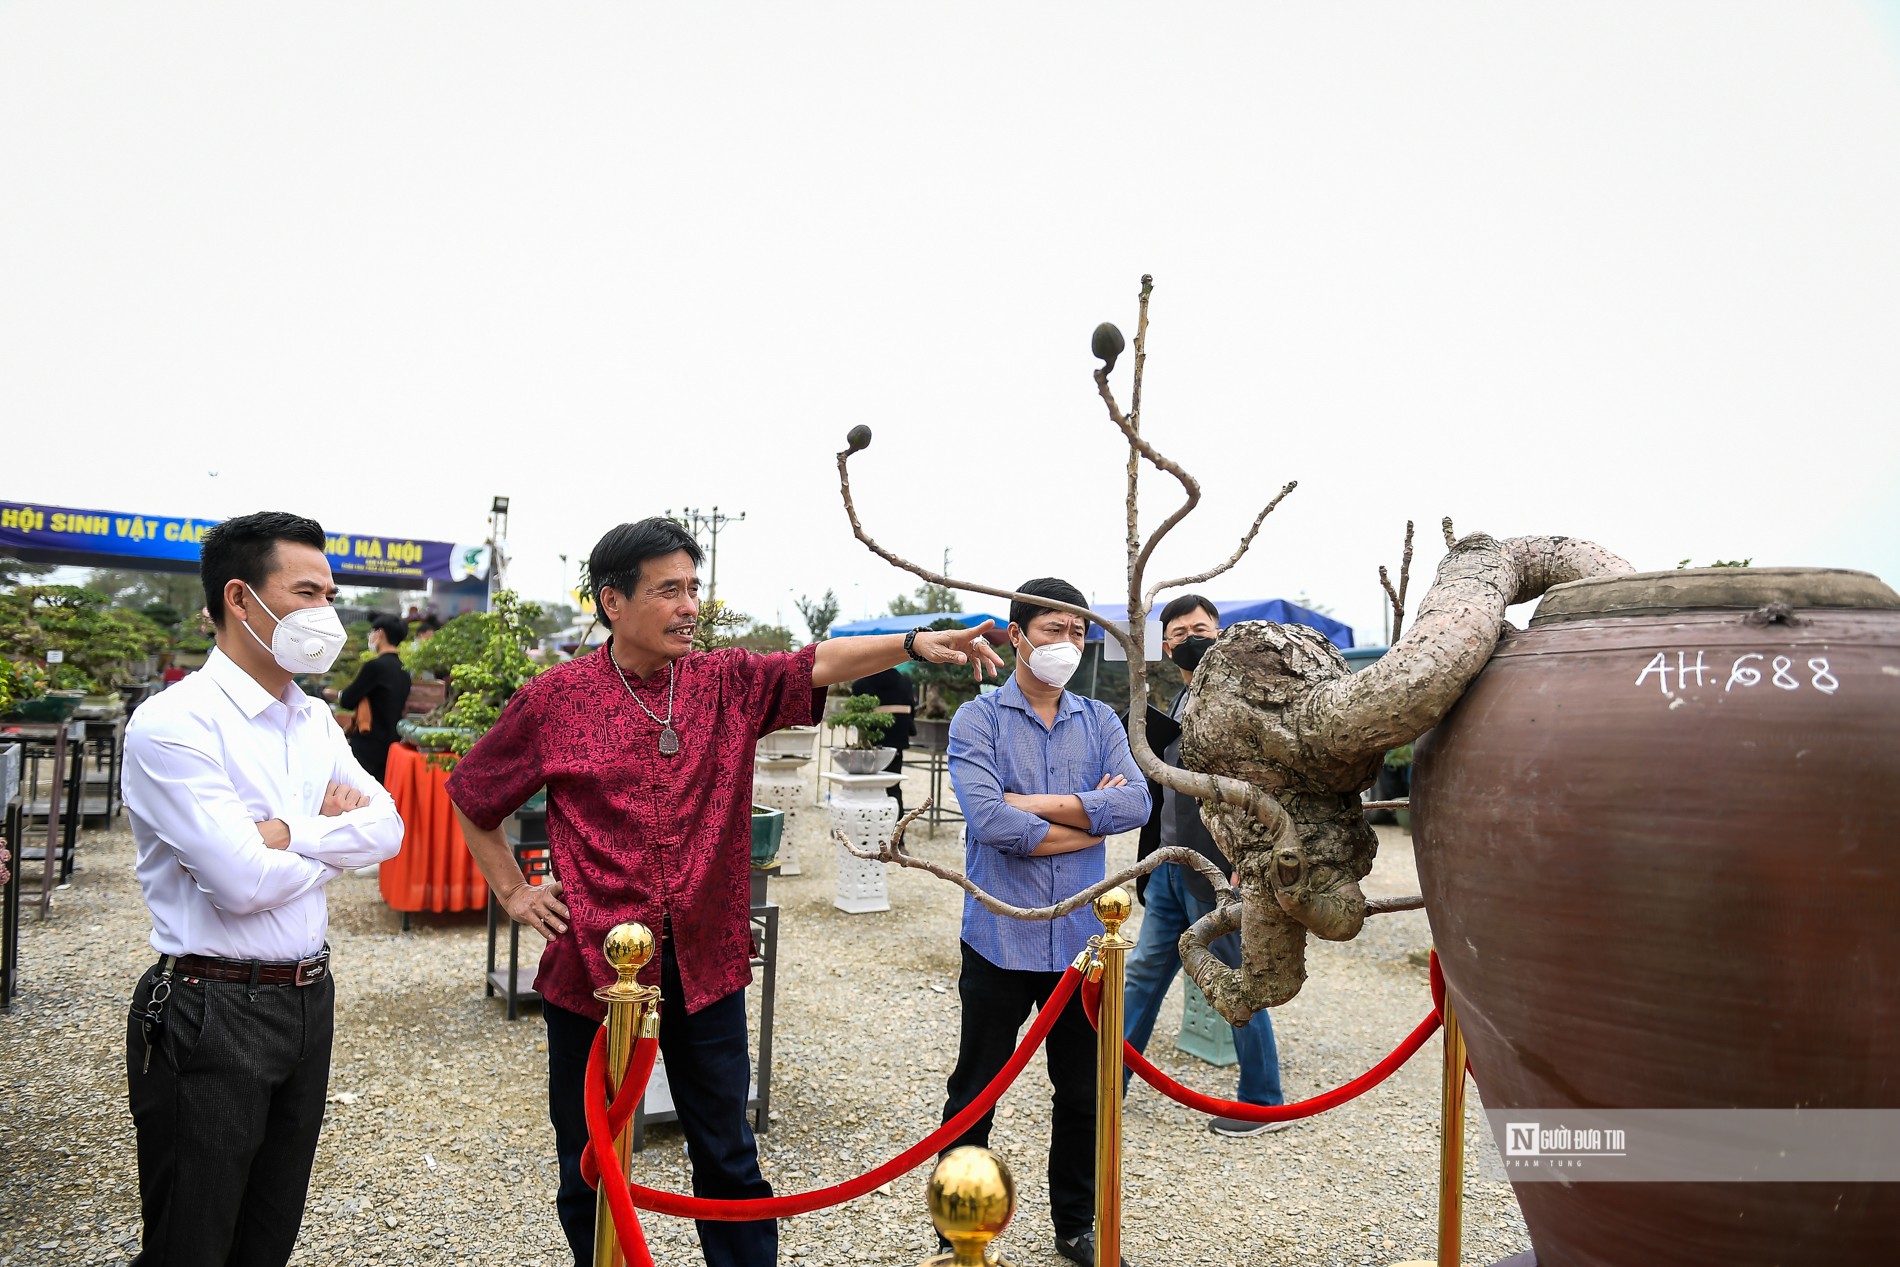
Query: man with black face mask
(1174,897)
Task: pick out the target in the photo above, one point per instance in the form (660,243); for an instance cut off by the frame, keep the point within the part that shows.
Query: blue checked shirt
(998,744)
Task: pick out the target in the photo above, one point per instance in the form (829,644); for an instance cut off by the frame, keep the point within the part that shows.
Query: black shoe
(1081,1249)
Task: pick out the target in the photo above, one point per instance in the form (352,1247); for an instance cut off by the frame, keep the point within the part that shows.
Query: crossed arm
(1067,817)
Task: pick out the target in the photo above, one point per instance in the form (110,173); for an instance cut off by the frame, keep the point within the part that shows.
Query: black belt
(256,971)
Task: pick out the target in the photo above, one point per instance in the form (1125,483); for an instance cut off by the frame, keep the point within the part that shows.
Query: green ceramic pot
(768,825)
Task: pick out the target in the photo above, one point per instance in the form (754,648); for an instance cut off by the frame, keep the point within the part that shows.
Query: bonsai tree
(484,658)
(1280,735)
(861,715)
(100,642)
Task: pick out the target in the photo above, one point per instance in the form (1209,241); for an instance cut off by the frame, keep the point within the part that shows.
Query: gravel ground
(437,1147)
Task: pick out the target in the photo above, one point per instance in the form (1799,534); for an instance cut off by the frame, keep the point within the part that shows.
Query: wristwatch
(910,645)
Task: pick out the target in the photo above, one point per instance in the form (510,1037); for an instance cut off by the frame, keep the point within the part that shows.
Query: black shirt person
(384,683)
(898,696)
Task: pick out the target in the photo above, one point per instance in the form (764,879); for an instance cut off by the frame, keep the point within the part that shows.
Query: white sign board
(1151,644)
(56,657)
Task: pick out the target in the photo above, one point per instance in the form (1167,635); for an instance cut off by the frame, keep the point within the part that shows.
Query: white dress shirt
(208,759)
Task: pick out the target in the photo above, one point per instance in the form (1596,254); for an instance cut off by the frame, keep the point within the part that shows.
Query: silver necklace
(669,738)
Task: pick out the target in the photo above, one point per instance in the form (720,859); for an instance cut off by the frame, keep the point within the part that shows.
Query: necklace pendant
(669,742)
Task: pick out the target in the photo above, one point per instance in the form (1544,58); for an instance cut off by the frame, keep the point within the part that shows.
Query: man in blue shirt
(1174,896)
(1042,776)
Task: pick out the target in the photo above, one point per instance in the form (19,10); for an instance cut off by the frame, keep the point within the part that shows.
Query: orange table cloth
(434,871)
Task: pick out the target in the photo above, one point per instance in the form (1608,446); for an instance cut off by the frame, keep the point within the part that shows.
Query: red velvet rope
(603,1125)
(685,1207)
(1091,1003)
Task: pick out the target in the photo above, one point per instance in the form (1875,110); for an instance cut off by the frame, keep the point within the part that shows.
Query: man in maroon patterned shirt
(646,750)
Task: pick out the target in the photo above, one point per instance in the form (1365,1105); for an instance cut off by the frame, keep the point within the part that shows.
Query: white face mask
(307,641)
(1053,663)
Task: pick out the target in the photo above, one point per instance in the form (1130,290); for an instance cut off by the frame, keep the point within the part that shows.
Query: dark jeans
(709,1068)
(1170,910)
(996,1003)
(227,1117)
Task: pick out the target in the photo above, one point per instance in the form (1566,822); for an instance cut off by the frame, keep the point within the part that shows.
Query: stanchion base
(1526,1259)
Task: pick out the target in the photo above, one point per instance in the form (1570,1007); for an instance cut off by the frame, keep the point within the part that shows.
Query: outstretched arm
(847,659)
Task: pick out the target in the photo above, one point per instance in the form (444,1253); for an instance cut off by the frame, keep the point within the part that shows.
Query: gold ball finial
(1113,908)
(972,1197)
(628,947)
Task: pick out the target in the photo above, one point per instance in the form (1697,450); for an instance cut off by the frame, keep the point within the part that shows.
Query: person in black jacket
(384,684)
(898,696)
(1173,896)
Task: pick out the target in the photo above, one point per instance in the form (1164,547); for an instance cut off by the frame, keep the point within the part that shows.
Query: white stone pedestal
(862,808)
(779,781)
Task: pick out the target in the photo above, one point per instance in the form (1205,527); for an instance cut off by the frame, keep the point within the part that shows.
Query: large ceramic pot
(1656,839)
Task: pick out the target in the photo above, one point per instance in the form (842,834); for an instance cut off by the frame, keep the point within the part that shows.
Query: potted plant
(98,644)
(768,827)
(862,754)
(483,656)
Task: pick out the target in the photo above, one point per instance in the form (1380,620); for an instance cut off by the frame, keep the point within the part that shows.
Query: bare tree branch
(1398,597)
(1245,543)
(1138,553)
(937,578)
(1141,349)
(1390,905)
(893,850)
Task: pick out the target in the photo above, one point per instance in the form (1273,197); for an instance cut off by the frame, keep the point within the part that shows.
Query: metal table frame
(936,762)
(659,1095)
(14,829)
(68,778)
(537,863)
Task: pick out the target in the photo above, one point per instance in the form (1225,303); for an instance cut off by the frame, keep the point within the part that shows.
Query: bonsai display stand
(862,809)
(1204,1032)
(778,780)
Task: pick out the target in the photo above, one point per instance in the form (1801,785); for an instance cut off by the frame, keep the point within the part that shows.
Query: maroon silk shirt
(635,835)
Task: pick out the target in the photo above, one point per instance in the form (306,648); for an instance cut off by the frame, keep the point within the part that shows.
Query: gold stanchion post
(1113,908)
(1451,1149)
(633,1011)
(1451,1145)
(972,1197)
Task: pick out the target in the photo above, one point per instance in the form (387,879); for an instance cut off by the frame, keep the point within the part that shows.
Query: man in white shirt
(245,802)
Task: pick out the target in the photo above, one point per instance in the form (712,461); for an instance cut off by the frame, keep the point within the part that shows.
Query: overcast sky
(1628,272)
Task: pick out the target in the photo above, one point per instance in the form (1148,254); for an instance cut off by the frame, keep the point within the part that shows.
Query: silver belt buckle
(309,970)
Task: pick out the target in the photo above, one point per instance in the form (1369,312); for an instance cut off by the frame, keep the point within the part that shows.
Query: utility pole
(497,547)
(712,523)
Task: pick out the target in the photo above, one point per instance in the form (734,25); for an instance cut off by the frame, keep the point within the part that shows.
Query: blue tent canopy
(904,624)
(1275,609)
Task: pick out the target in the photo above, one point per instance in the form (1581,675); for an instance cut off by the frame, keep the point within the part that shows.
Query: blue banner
(114,539)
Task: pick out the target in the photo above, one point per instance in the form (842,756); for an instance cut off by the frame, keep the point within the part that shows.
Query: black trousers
(227,1116)
(996,1003)
(709,1068)
(896,766)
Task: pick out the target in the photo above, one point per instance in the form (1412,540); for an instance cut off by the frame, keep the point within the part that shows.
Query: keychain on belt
(154,1021)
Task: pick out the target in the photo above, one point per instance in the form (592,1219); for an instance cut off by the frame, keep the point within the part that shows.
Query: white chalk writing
(1745,670)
